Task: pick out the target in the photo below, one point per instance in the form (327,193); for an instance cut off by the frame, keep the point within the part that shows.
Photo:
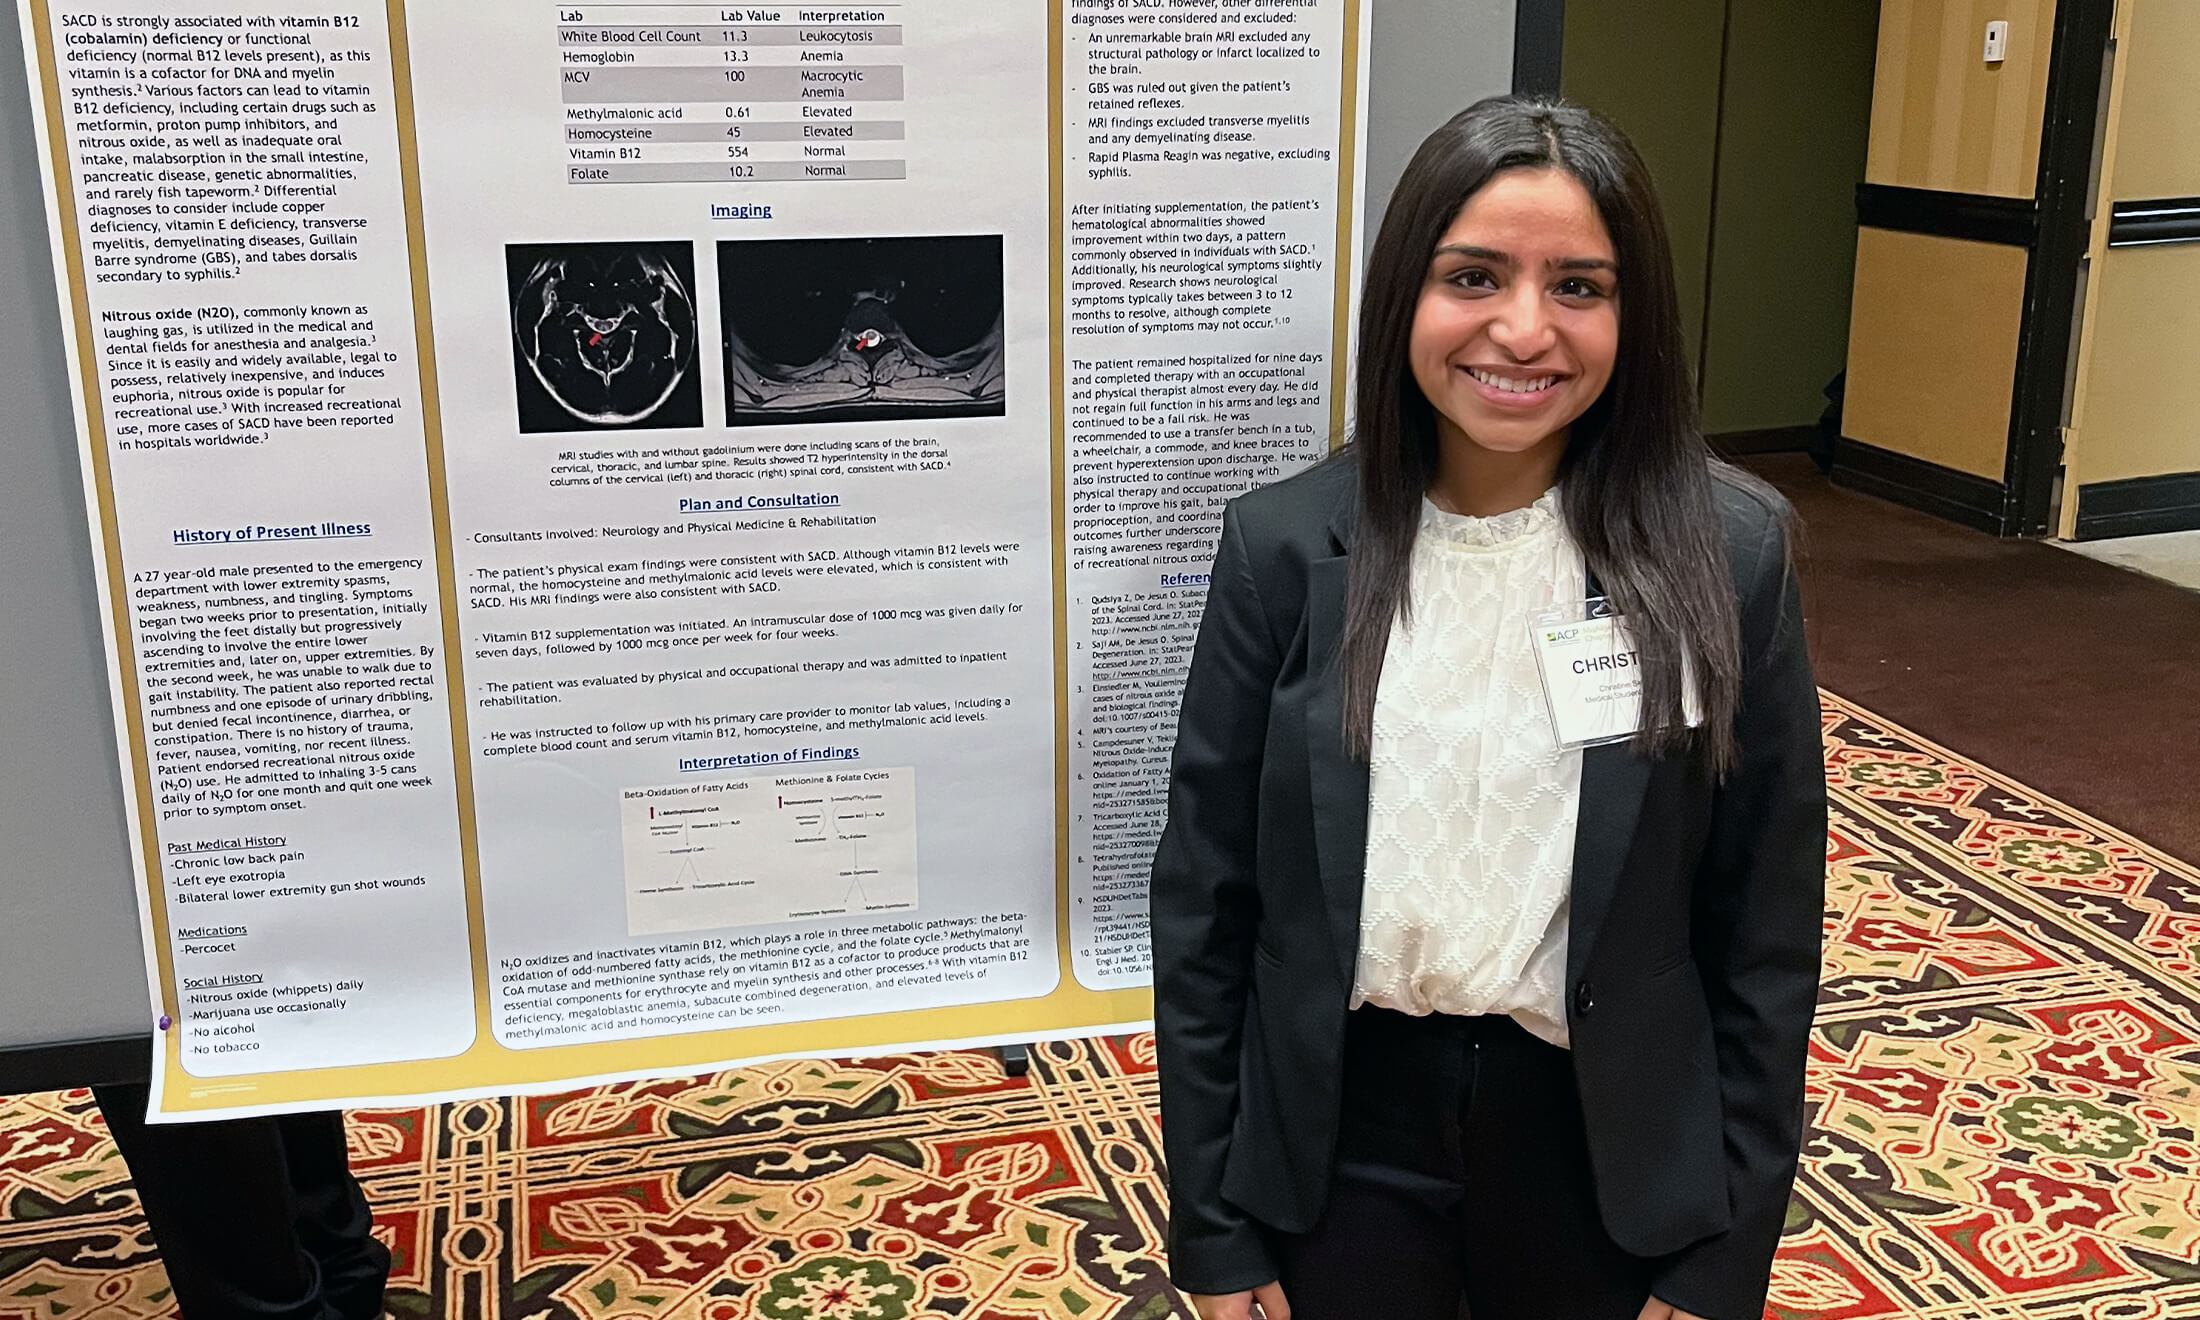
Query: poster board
(819,710)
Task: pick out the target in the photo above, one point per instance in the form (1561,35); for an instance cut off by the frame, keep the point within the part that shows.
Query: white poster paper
(643,536)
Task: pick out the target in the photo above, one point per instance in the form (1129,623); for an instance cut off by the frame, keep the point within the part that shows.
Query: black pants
(1462,1176)
(254,1217)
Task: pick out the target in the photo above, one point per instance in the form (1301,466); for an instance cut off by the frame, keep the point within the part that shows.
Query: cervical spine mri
(609,335)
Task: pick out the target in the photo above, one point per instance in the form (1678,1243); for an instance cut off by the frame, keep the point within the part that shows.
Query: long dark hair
(1636,478)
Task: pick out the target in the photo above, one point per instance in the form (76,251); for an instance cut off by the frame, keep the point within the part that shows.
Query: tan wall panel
(2142,396)
(1945,119)
(1933,348)
(2158,132)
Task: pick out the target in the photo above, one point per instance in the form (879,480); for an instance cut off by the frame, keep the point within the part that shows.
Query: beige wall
(2142,401)
(2137,410)
(1934,323)
(2158,125)
(1933,348)
(1942,117)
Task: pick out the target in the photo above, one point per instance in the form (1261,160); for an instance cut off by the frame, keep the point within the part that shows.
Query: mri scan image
(604,335)
(862,329)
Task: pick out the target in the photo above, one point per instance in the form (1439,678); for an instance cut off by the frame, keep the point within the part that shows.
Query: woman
(1451,1008)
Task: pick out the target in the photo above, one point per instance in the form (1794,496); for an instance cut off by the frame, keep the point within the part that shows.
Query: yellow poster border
(1348,205)
(487,1066)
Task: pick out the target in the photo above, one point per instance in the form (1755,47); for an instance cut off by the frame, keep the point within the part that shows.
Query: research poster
(639,537)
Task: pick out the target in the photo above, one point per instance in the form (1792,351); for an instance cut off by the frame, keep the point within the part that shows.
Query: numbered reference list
(1201,179)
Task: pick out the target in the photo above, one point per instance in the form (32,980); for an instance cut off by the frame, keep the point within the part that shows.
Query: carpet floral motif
(2003,1094)
(2005,1076)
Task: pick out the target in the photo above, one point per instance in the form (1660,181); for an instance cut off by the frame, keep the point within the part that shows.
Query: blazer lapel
(1613,781)
(1338,780)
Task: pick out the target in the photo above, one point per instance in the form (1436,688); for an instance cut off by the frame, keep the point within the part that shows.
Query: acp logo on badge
(1562,635)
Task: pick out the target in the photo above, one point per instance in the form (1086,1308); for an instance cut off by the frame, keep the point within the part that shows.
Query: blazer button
(1585,999)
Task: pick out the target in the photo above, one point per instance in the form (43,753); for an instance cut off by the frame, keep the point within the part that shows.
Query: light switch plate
(1997,41)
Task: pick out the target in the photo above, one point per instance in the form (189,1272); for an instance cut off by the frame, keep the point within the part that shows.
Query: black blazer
(1693,952)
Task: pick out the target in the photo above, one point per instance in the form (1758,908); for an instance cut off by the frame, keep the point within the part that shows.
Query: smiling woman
(1473,984)
(1526,238)
(1515,332)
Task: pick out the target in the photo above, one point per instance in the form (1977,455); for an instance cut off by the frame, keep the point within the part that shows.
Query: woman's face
(1518,322)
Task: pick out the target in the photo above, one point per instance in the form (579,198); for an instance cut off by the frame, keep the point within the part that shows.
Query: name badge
(1592,676)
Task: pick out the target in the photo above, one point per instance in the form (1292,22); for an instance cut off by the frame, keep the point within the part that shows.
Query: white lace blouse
(1471,802)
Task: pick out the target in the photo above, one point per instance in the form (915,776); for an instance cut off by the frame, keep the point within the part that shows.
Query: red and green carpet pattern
(2003,1095)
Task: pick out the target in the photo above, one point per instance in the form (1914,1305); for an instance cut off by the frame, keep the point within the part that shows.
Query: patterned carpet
(2004,1087)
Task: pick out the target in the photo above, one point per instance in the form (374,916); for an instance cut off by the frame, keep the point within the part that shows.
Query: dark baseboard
(1973,216)
(75,1063)
(2140,506)
(1941,491)
(1769,440)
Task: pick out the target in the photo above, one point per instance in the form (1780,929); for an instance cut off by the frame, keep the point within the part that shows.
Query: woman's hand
(1262,1303)
(1655,1310)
